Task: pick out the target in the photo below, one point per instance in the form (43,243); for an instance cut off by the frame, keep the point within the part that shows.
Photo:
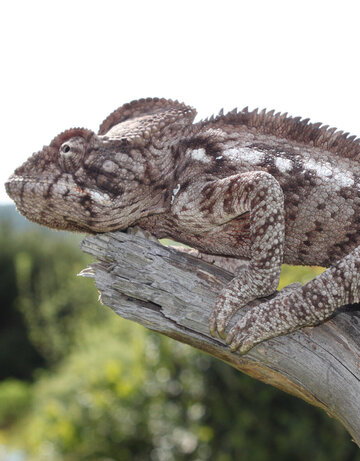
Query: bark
(173,293)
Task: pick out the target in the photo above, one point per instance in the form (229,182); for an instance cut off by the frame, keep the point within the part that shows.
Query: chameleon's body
(264,187)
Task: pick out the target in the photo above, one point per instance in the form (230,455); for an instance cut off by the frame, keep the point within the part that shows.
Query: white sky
(71,62)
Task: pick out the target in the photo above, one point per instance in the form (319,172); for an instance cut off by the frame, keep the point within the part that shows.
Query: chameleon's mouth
(12,187)
(17,186)
(59,205)
(35,201)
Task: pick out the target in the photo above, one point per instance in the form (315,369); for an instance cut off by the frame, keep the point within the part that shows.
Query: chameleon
(258,186)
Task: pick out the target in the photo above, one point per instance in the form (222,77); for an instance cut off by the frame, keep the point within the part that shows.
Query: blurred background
(76,381)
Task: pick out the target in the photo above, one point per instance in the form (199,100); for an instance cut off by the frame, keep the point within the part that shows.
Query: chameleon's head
(97,183)
(81,182)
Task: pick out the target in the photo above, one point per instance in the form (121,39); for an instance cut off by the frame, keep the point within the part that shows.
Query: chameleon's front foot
(261,323)
(233,297)
(286,313)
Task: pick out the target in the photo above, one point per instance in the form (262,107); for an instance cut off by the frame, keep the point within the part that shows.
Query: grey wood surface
(173,293)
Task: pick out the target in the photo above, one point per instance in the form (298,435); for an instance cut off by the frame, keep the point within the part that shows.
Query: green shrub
(123,395)
(15,399)
(128,394)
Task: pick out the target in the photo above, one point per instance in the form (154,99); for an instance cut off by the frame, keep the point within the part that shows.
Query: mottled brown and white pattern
(247,185)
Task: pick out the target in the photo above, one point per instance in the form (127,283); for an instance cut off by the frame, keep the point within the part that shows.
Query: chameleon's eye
(65,148)
(71,154)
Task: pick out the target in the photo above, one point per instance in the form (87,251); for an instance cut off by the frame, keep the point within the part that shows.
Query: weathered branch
(173,293)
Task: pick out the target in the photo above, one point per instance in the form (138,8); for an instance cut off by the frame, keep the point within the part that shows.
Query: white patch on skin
(249,156)
(343,179)
(101,198)
(174,192)
(283,164)
(321,169)
(200,155)
(325,170)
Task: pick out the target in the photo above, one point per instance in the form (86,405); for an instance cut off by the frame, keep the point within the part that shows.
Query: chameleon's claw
(226,306)
(239,343)
(234,347)
(229,338)
(212,323)
(219,320)
(246,347)
(221,324)
(213,332)
(222,334)
(234,340)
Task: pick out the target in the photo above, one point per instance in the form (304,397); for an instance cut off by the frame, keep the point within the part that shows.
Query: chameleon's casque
(256,185)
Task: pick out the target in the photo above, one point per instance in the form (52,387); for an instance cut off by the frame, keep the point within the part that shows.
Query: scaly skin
(247,185)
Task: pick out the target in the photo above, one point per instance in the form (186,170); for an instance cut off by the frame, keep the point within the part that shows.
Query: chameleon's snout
(11,187)
(17,187)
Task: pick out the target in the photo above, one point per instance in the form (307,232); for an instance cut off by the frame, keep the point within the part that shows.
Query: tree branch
(173,293)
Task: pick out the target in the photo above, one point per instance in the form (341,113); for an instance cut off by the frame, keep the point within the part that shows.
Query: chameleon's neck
(149,172)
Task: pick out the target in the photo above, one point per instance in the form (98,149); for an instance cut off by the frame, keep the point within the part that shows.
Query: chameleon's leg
(234,265)
(307,306)
(260,194)
(229,264)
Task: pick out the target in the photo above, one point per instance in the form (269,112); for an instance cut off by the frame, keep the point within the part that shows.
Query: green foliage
(14,334)
(45,304)
(53,301)
(15,398)
(128,394)
(302,274)
(261,423)
(125,393)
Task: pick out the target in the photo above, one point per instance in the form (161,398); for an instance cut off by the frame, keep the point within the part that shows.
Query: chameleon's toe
(242,343)
(222,321)
(242,336)
(220,318)
(217,326)
(235,337)
(215,330)
(212,323)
